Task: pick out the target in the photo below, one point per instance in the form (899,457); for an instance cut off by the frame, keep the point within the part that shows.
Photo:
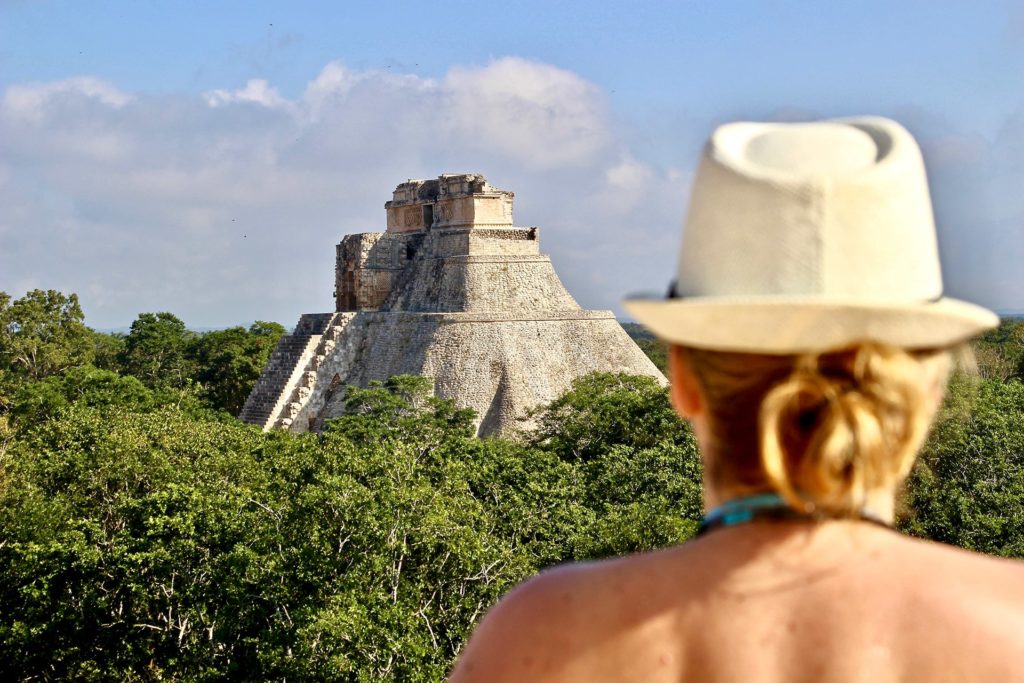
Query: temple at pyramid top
(419,263)
(452,200)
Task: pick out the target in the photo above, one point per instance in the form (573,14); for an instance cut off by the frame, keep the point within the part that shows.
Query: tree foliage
(85,386)
(107,351)
(143,541)
(156,351)
(41,334)
(967,488)
(601,409)
(228,362)
(1000,352)
(144,535)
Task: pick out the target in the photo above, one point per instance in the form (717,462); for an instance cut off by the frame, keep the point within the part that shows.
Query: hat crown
(807,237)
(836,210)
(810,149)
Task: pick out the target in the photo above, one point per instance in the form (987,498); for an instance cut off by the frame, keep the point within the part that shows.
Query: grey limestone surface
(476,308)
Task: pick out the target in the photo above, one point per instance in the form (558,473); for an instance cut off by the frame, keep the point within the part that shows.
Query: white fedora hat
(809,237)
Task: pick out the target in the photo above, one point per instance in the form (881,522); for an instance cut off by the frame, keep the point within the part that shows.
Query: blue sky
(204,158)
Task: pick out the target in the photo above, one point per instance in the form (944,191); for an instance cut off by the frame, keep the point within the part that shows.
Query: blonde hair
(823,430)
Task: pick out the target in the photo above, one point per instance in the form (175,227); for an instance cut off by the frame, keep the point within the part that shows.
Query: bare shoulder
(525,635)
(972,571)
(545,628)
(983,596)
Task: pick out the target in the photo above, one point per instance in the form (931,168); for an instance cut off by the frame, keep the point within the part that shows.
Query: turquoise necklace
(769,506)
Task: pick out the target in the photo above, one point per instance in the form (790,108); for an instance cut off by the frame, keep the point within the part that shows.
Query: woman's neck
(879,503)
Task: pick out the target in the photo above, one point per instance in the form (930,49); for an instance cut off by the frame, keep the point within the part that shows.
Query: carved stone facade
(452,290)
(451,201)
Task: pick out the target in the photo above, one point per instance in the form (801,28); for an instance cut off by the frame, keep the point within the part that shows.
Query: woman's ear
(684,388)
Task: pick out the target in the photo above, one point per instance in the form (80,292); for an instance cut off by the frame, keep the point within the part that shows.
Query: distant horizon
(124,329)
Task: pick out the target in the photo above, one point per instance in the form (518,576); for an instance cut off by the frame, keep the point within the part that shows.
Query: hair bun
(842,424)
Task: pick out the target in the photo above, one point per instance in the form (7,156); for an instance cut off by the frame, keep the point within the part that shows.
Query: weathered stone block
(451,291)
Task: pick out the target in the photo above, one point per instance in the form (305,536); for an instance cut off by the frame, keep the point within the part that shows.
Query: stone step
(267,396)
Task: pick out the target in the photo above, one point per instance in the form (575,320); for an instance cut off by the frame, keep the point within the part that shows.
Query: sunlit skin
(765,601)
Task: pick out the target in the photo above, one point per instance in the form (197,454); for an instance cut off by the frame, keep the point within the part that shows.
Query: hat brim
(785,325)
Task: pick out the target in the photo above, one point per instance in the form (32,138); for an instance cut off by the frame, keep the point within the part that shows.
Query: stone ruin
(451,291)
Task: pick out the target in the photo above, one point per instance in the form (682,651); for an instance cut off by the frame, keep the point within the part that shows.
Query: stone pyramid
(452,291)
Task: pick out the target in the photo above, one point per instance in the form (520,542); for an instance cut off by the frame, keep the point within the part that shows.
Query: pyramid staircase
(285,373)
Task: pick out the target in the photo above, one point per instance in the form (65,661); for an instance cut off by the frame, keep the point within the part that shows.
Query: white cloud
(29,101)
(334,80)
(225,207)
(533,112)
(628,182)
(256,91)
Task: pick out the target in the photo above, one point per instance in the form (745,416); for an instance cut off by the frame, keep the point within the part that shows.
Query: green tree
(141,540)
(403,404)
(107,350)
(1000,352)
(228,362)
(967,487)
(89,386)
(158,545)
(403,559)
(636,460)
(135,547)
(641,499)
(602,410)
(156,351)
(41,334)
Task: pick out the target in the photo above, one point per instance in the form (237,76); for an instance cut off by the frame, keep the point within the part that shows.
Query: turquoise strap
(740,510)
(768,506)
